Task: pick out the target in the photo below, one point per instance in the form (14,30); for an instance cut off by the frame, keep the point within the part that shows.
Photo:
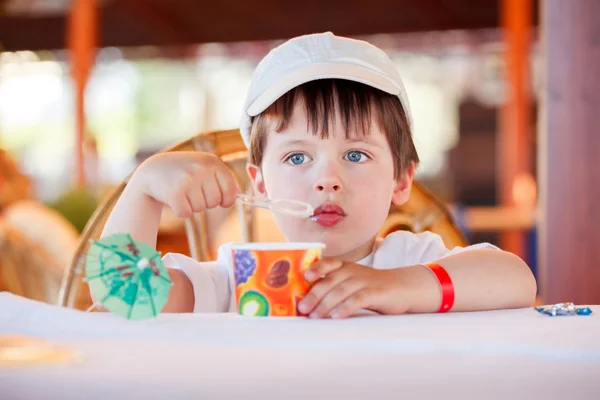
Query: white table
(510,354)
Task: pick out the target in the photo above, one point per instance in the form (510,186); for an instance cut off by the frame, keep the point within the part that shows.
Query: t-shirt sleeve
(400,249)
(210,281)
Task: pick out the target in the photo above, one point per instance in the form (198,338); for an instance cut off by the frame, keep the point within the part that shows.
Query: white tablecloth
(509,354)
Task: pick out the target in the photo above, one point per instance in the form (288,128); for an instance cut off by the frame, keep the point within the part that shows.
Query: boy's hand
(187,182)
(343,289)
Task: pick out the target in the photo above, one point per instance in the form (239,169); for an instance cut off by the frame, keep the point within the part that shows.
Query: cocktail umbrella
(127,277)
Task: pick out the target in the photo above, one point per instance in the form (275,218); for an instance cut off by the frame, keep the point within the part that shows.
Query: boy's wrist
(140,183)
(420,289)
(140,180)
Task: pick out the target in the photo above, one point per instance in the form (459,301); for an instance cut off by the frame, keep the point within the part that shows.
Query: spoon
(295,208)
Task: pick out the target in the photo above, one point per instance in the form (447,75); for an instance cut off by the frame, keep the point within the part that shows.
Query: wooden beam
(436,12)
(159,22)
(82,42)
(569,153)
(183,22)
(514,139)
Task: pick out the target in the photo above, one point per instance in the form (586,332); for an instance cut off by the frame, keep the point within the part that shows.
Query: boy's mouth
(328,214)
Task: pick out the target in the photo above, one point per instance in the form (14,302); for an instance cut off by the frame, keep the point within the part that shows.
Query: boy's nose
(330,184)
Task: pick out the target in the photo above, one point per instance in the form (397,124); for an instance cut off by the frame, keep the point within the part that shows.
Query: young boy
(326,121)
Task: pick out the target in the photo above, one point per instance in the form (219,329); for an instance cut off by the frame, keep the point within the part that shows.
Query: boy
(327,121)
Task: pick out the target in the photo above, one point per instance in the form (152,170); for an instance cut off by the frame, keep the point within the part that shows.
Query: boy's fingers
(179,201)
(319,290)
(229,188)
(195,197)
(321,268)
(359,300)
(336,296)
(211,193)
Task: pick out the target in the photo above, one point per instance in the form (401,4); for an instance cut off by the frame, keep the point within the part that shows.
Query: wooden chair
(26,267)
(32,261)
(422,212)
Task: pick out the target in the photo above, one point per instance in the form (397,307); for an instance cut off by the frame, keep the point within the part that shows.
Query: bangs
(323,101)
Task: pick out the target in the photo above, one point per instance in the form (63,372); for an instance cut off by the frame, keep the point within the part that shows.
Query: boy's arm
(483,279)
(139,215)
(187,182)
(181,297)
(135,213)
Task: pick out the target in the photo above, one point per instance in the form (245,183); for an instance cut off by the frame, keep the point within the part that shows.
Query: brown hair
(355,102)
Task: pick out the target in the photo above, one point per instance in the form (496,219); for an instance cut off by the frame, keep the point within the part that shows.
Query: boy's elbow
(525,285)
(181,300)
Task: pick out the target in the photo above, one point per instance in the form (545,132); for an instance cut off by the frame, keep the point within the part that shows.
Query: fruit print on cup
(269,278)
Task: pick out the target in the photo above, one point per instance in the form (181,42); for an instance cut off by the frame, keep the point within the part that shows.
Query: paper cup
(269,278)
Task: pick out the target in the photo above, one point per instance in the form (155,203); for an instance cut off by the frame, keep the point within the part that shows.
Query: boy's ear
(257,179)
(404,185)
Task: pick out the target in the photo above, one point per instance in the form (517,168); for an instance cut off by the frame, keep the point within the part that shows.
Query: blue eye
(356,156)
(298,159)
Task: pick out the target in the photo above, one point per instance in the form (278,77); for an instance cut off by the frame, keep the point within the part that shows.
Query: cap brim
(320,71)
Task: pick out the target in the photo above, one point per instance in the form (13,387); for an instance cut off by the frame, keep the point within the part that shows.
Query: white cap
(319,56)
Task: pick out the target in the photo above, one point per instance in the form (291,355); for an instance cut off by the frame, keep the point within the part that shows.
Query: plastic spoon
(294,208)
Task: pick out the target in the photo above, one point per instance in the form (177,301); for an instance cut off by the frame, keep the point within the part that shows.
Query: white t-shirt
(213,281)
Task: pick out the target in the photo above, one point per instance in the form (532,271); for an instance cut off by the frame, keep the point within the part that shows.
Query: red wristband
(445,284)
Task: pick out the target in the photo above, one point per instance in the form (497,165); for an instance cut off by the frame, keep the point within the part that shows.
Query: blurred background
(89,89)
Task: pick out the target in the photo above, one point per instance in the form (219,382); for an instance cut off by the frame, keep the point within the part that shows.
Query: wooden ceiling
(40,24)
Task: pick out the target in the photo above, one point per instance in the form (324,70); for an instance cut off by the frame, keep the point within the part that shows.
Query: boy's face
(349,182)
